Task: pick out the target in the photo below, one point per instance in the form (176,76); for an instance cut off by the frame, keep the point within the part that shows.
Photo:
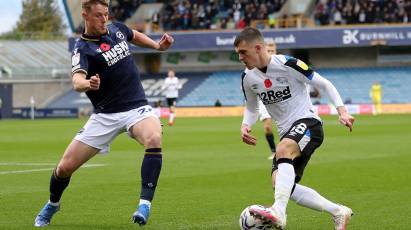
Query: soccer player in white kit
(263,113)
(171,86)
(280,82)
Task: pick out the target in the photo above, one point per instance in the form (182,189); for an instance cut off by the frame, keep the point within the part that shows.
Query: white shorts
(101,128)
(262,111)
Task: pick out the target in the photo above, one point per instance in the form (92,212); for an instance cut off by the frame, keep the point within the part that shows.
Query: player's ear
(258,47)
(84,14)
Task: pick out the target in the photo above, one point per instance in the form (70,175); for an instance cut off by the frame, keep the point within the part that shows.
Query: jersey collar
(93,38)
(264,69)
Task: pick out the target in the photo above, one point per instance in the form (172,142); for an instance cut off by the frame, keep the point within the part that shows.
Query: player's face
(96,19)
(247,54)
(271,49)
(171,74)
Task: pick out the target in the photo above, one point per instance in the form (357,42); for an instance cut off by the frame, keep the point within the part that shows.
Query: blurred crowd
(123,9)
(338,12)
(237,14)
(216,14)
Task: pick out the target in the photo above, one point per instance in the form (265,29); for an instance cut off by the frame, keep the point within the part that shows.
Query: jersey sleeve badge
(75,59)
(301,67)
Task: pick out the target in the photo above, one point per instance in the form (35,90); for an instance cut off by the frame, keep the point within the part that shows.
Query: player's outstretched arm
(345,118)
(143,40)
(81,84)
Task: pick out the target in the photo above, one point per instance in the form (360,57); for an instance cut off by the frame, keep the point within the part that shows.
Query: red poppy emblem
(104,47)
(267,83)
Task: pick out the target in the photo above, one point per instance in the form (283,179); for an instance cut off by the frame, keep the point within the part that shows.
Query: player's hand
(345,118)
(94,82)
(246,136)
(165,42)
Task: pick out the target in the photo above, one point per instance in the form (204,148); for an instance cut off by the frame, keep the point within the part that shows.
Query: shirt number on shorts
(300,129)
(143,110)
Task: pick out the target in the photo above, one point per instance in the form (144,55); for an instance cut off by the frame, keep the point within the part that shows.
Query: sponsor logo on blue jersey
(116,53)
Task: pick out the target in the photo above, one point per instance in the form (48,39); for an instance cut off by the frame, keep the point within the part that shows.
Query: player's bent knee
(153,141)
(65,170)
(268,130)
(286,149)
(282,152)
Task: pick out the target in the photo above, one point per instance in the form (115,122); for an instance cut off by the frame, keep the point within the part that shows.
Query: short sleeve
(125,30)
(79,62)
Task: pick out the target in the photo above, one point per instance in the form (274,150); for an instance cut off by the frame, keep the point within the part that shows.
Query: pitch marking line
(39,170)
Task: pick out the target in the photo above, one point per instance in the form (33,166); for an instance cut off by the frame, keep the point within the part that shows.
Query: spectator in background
(357,12)
(217,103)
(271,20)
(376,96)
(315,95)
(348,101)
(337,17)
(188,15)
(155,20)
(171,86)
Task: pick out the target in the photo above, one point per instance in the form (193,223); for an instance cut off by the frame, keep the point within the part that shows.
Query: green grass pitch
(209,176)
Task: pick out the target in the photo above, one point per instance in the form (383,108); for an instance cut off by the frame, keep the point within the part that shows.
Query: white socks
(309,198)
(54,204)
(283,185)
(148,203)
(171,117)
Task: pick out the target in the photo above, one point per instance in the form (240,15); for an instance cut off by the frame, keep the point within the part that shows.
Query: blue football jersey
(109,56)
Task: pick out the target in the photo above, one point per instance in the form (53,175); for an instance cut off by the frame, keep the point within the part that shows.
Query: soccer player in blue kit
(103,68)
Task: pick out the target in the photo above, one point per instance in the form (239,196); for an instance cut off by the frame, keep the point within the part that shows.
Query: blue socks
(150,172)
(57,186)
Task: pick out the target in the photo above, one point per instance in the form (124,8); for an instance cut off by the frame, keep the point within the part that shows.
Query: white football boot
(269,216)
(342,218)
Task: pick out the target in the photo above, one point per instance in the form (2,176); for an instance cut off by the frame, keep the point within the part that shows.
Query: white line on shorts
(39,170)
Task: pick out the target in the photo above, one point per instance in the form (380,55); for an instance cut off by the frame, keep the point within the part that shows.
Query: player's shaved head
(249,35)
(86,4)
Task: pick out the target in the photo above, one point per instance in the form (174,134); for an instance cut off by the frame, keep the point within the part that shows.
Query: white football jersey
(283,90)
(171,87)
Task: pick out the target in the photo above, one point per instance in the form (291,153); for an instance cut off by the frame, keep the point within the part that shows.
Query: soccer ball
(249,222)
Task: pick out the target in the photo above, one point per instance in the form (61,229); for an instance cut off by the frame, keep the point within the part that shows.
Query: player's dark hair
(86,4)
(249,34)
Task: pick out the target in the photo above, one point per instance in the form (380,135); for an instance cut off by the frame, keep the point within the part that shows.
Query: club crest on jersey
(116,53)
(120,35)
(276,95)
(282,80)
(267,83)
(75,59)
